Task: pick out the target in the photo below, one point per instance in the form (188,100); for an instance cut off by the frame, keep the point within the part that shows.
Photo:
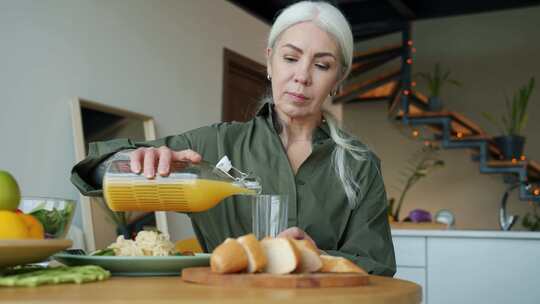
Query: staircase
(410,108)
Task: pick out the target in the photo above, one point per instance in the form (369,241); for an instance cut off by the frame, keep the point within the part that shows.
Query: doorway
(244,84)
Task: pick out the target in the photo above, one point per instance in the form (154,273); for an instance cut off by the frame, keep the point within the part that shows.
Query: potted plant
(532,221)
(421,164)
(435,82)
(512,122)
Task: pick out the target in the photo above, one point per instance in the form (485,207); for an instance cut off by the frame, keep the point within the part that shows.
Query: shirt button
(300,183)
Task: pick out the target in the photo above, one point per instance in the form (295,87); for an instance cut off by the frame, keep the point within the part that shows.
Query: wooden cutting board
(203,275)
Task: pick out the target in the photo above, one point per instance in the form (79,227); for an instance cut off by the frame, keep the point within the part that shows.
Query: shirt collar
(321,133)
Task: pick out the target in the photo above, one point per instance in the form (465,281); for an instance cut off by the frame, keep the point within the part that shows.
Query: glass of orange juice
(269,214)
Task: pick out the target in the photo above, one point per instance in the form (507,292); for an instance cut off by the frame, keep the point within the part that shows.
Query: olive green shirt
(317,200)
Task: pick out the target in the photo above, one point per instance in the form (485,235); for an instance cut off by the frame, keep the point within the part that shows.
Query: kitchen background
(164,59)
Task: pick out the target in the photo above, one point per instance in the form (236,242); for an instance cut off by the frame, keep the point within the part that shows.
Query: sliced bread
(256,257)
(282,256)
(229,257)
(310,260)
(339,264)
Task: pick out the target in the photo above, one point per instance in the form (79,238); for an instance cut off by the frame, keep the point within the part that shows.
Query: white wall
(490,54)
(162,58)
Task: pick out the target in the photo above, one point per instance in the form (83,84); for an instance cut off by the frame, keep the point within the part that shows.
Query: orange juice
(190,195)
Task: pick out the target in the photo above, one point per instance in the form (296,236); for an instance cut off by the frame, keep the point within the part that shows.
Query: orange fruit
(34,226)
(12,226)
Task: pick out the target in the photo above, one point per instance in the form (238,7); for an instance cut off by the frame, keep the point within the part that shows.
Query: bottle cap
(224,164)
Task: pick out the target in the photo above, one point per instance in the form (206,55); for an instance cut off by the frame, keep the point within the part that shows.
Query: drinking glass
(269,215)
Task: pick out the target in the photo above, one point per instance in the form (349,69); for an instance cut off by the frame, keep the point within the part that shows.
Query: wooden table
(162,290)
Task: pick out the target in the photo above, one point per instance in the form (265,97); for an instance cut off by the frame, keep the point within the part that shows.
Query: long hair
(330,19)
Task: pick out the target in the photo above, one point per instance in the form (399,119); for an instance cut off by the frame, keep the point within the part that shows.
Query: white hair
(330,19)
(327,17)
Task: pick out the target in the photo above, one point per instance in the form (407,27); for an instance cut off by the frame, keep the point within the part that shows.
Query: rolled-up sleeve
(81,174)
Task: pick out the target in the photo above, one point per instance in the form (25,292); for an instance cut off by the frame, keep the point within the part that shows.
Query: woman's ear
(336,89)
(269,62)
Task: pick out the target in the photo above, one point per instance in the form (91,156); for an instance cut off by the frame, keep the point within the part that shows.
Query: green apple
(10,195)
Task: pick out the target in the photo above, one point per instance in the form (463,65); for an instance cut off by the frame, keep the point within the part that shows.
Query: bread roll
(310,260)
(229,257)
(256,257)
(282,256)
(339,264)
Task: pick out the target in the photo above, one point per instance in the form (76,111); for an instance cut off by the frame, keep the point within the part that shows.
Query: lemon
(12,226)
(10,194)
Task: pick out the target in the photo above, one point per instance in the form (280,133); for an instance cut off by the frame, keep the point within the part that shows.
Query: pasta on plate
(146,243)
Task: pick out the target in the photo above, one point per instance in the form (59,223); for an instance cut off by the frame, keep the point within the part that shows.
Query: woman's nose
(303,76)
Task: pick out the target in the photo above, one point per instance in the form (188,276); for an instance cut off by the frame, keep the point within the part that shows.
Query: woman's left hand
(296,233)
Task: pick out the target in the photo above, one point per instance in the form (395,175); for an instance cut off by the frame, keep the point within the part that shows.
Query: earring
(268,77)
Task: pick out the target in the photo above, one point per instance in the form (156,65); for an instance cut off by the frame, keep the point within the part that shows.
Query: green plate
(137,266)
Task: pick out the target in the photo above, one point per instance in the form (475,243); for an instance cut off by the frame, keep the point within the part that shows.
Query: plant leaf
(494,121)
(454,82)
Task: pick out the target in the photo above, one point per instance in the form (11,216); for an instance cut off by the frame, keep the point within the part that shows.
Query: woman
(336,193)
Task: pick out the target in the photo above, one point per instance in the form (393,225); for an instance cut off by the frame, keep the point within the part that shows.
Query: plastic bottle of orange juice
(188,188)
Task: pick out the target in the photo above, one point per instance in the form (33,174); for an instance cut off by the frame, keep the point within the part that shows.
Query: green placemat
(31,276)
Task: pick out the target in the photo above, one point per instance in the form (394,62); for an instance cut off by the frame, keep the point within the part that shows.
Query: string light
(536,192)
(409,42)
(514,161)
(427,143)
(406,92)
(415,133)
(413,84)
(413,50)
(409,61)
(523,157)
(459,135)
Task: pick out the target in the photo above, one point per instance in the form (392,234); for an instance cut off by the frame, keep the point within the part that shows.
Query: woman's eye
(322,66)
(289,59)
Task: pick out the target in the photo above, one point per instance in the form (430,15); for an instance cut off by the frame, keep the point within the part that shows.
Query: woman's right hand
(147,160)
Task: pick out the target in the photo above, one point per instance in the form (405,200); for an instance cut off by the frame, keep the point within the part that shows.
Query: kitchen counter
(160,290)
(470,266)
(468,233)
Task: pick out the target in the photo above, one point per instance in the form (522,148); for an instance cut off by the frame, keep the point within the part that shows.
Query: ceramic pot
(511,146)
(435,104)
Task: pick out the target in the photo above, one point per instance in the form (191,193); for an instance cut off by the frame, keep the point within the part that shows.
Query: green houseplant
(435,82)
(419,166)
(531,221)
(512,122)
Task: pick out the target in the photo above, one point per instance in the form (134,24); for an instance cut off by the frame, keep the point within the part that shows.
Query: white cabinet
(470,266)
(411,260)
(412,251)
(483,271)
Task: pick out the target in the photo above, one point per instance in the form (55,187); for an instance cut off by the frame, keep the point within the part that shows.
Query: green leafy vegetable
(57,275)
(56,221)
(104,252)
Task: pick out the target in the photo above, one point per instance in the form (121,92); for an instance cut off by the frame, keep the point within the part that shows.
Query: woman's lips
(297,97)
